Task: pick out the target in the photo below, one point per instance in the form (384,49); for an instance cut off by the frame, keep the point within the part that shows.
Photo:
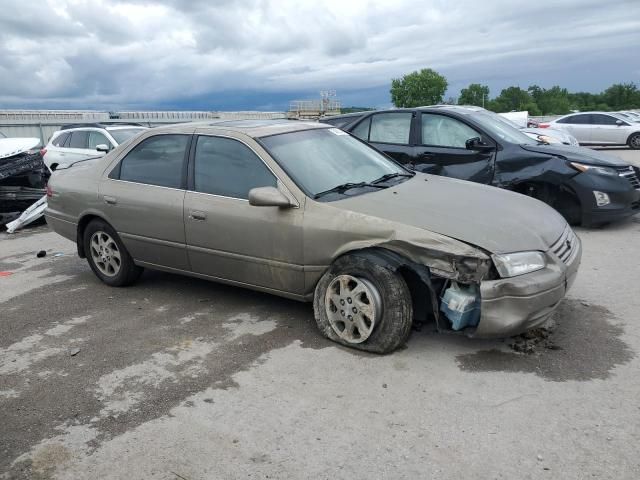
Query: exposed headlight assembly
(519,263)
(581,167)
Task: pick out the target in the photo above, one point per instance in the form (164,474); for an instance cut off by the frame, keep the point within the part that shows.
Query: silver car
(309,212)
(598,128)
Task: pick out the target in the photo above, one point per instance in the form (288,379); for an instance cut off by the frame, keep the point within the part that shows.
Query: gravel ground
(177,378)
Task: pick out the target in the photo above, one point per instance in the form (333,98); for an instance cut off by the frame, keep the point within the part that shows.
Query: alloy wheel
(105,253)
(353,306)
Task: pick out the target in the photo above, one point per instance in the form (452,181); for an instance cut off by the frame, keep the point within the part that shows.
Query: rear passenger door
(442,149)
(226,237)
(143,197)
(389,132)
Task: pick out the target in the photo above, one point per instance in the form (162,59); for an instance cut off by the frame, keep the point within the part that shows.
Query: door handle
(197,215)
(110,200)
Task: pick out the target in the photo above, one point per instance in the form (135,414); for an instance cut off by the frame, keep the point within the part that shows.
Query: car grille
(630,174)
(566,245)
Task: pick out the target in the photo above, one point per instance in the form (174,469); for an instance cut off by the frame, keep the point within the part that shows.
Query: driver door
(442,150)
(229,239)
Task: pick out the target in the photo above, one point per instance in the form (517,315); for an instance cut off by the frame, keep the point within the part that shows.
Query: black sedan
(586,186)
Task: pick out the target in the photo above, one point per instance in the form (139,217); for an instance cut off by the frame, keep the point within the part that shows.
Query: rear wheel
(107,255)
(363,305)
(634,141)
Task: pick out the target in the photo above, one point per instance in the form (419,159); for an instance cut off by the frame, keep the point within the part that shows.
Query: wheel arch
(631,135)
(418,277)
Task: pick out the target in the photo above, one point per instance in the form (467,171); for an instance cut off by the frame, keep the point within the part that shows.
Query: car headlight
(519,263)
(581,167)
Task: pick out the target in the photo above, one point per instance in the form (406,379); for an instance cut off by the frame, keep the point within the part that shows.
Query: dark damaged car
(23,176)
(308,212)
(587,187)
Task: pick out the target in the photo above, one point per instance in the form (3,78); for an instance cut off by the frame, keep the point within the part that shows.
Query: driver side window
(443,131)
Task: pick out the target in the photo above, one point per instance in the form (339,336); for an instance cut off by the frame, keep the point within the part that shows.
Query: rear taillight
(43,151)
(49,191)
(543,125)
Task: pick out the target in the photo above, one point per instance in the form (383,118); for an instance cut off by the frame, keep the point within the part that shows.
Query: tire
(378,298)
(634,141)
(107,255)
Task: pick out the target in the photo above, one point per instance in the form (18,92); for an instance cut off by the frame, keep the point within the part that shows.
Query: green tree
(474,94)
(415,89)
(512,98)
(621,96)
(554,100)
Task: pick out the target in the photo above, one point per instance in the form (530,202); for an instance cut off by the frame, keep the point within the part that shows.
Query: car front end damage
(509,306)
(607,193)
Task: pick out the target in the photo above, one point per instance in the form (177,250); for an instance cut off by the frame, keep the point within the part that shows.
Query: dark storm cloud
(126,52)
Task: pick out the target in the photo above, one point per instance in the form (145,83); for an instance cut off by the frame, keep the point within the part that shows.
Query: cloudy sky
(259,54)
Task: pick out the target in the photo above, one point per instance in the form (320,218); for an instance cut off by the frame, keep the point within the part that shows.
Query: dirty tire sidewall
(129,271)
(393,327)
(634,141)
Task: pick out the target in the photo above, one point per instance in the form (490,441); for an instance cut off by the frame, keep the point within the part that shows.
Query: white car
(598,128)
(82,141)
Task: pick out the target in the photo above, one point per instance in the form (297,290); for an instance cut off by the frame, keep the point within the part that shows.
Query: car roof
(252,128)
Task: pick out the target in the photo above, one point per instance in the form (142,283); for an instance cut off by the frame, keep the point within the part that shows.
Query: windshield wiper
(389,176)
(346,186)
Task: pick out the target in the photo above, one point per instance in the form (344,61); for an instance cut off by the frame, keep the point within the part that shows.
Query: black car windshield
(122,134)
(501,129)
(321,159)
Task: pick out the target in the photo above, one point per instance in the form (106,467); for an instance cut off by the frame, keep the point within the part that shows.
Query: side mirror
(102,148)
(619,123)
(268,197)
(478,145)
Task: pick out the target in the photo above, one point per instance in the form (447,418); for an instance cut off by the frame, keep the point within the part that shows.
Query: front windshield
(502,128)
(122,134)
(321,159)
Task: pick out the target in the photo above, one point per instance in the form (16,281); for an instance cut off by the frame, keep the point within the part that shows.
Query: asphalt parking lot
(178,378)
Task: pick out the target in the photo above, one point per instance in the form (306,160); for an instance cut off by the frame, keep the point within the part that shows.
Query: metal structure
(327,105)
(43,123)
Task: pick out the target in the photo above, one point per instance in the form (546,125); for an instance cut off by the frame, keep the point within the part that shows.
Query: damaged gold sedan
(309,212)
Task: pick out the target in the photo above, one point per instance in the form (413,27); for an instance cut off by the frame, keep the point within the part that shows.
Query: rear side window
(229,168)
(157,160)
(577,120)
(78,140)
(443,131)
(391,128)
(60,139)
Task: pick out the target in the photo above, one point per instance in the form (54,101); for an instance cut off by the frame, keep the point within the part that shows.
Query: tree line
(428,87)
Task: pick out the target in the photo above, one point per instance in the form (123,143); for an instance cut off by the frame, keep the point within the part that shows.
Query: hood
(13,146)
(578,154)
(497,220)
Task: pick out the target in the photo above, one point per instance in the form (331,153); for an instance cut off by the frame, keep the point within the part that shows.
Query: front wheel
(363,305)
(634,141)
(107,255)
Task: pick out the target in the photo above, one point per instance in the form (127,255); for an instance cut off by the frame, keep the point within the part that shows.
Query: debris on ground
(532,340)
(5,274)
(41,253)
(23,178)
(74,352)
